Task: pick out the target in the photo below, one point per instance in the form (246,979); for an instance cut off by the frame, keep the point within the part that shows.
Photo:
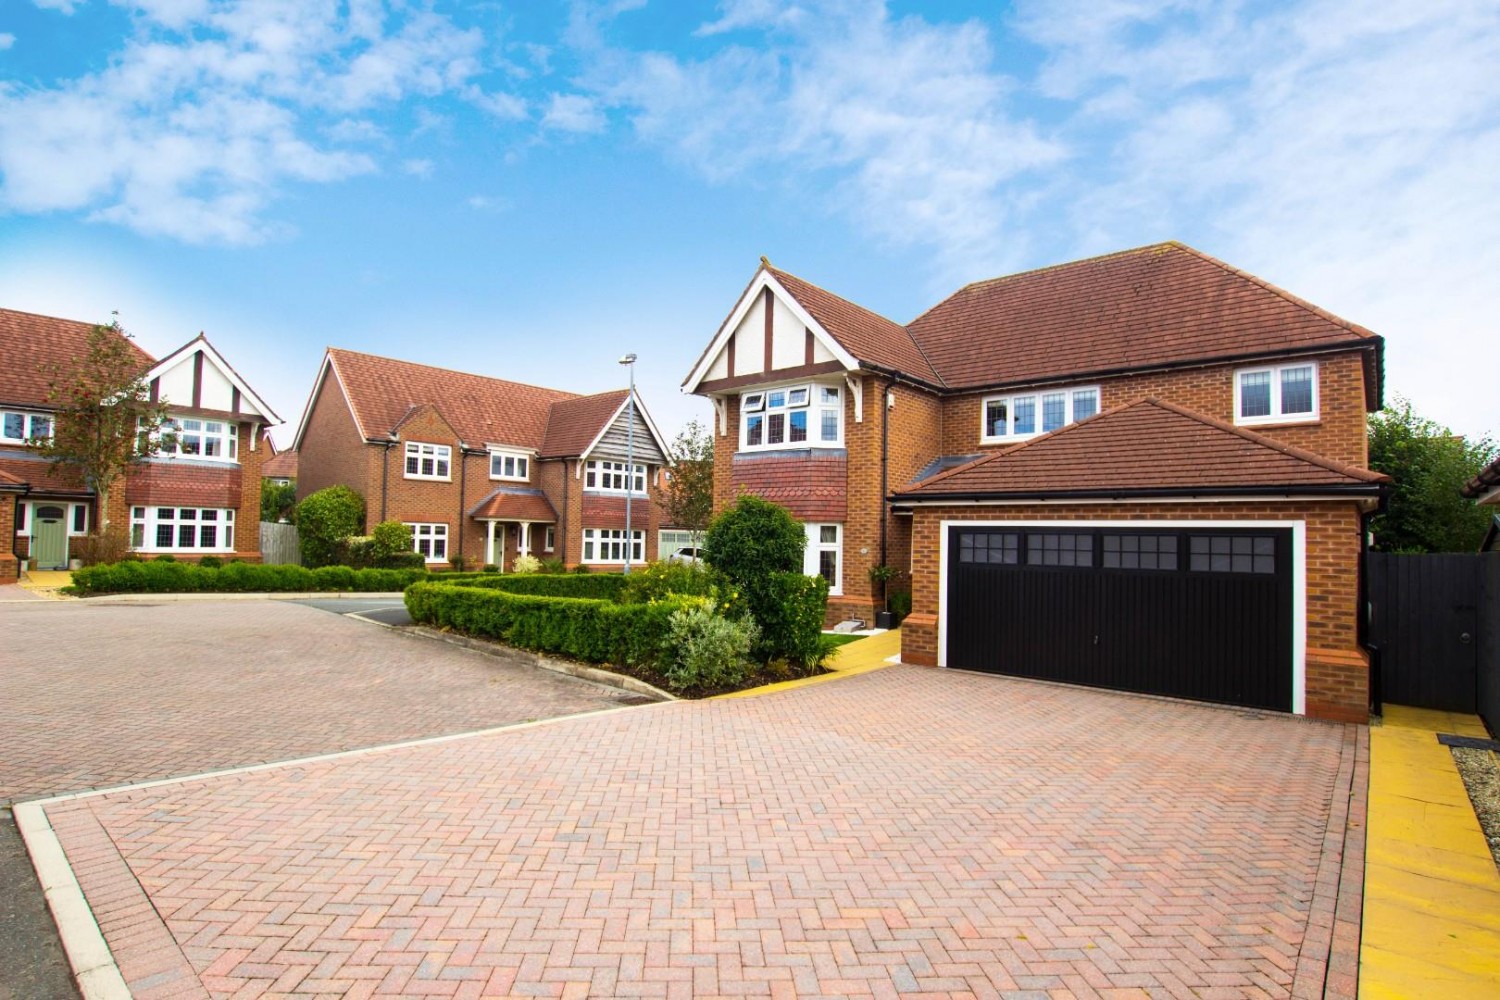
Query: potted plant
(882,575)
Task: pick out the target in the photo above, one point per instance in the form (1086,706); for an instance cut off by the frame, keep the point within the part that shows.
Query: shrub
(325,517)
(210,562)
(597,586)
(389,539)
(458,562)
(276,502)
(111,546)
(658,579)
(900,603)
(165,557)
(334,578)
(703,650)
(132,576)
(554,566)
(791,621)
(403,560)
(526,564)
(490,568)
(753,539)
(581,570)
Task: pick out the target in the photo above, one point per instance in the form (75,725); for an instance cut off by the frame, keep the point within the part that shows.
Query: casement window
(510,465)
(800,416)
(1280,394)
(824,555)
(607,545)
(78,520)
(18,427)
(549,539)
(431,540)
(428,461)
(182,529)
(600,476)
(198,439)
(1019,416)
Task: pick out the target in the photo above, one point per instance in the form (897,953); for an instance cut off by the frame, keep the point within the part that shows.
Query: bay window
(607,545)
(1019,416)
(602,476)
(791,417)
(1281,394)
(428,461)
(195,438)
(182,529)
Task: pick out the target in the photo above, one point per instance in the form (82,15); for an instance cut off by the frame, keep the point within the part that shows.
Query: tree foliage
(324,519)
(106,420)
(277,500)
(1428,465)
(688,491)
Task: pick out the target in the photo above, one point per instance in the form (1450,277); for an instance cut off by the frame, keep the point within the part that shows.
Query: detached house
(1143,471)
(481,467)
(200,496)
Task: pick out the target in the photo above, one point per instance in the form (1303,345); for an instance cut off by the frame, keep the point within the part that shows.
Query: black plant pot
(884,619)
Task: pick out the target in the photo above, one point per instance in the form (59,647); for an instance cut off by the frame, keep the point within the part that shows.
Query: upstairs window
(17,427)
(1023,415)
(199,439)
(1281,394)
(611,477)
(798,416)
(428,461)
(509,465)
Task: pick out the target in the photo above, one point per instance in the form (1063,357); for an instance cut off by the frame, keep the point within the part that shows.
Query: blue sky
(529,190)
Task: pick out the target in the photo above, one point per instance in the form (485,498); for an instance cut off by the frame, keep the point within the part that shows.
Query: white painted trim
(1299,577)
(201,342)
(1066,390)
(812,408)
(436,457)
(661,445)
(1115,500)
(328,366)
(758,284)
(1275,417)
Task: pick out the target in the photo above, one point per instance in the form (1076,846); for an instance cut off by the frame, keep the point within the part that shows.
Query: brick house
(482,467)
(281,467)
(1142,471)
(200,496)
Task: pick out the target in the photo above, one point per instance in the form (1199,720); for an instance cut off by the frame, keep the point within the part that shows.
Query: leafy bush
(157,577)
(490,568)
(526,564)
(658,579)
(791,620)
(900,603)
(165,557)
(458,562)
(111,546)
(596,586)
(703,650)
(334,577)
(582,570)
(325,517)
(596,631)
(389,539)
(210,562)
(276,502)
(554,566)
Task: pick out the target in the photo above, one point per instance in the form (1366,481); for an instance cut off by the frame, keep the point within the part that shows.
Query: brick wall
(1339,434)
(1337,668)
(10,566)
(334,451)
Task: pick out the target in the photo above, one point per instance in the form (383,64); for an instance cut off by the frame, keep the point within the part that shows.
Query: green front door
(49,537)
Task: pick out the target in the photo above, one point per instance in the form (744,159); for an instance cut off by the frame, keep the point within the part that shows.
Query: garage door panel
(1194,614)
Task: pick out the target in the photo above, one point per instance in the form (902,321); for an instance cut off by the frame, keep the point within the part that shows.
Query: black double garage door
(1201,613)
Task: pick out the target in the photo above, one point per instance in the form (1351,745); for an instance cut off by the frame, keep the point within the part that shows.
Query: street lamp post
(629,362)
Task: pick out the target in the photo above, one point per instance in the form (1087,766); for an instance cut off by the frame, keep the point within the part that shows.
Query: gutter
(1353,492)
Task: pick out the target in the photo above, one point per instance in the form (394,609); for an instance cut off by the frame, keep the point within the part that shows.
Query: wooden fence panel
(279,543)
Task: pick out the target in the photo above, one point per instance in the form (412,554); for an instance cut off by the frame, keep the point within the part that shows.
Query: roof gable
(866,335)
(1145,446)
(210,384)
(576,427)
(29,342)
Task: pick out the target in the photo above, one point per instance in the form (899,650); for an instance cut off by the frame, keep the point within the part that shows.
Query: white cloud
(574,113)
(6,40)
(208,111)
(488,203)
(417,168)
(63,6)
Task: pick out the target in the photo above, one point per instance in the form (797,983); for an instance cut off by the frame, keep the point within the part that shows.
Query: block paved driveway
(905,832)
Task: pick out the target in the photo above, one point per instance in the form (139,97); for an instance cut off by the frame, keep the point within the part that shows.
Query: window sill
(430,479)
(1278,421)
(616,493)
(498,479)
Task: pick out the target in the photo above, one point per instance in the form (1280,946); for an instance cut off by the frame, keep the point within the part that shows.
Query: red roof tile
(6,479)
(41,475)
(482,410)
(1153,305)
(506,506)
(1148,445)
(814,487)
(28,342)
(572,424)
(867,335)
(1488,477)
(282,465)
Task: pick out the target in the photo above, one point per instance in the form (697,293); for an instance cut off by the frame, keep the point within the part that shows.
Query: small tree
(1428,465)
(325,518)
(106,420)
(688,496)
(277,500)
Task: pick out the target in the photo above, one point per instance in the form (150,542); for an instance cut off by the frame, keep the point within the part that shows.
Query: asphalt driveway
(908,831)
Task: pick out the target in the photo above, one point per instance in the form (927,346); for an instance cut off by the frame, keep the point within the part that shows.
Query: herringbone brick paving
(908,832)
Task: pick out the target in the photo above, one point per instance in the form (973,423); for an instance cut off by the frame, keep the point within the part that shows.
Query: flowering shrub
(526,564)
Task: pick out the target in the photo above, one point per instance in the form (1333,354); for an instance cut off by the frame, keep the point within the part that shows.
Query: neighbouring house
(281,467)
(485,468)
(1143,471)
(1485,489)
(200,496)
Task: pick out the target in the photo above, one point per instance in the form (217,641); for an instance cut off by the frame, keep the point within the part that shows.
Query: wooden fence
(279,543)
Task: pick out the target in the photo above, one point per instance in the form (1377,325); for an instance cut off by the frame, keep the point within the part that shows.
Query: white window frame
(150,520)
(1276,416)
(758,403)
(441,456)
(521,464)
(816,546)
(436,535)
(549,538)
(596,470)
(606,546)
(75,511)
(28,421)
(669,540)
(1068,392)
(172,433)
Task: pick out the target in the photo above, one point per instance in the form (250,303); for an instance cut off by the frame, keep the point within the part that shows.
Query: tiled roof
(28,342)
(8,480)
(282,465)
(1154,305)
(866,335)
(39,474)
(481,409)
(573,424)
(1148,445)
(513,504)
(1488,478)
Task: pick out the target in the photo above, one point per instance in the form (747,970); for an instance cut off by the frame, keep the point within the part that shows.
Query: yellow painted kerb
(1432,892)
(858,657)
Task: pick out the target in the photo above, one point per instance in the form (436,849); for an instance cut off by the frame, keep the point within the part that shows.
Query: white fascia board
(650,426)
(1034,501)
(327,366)
(765,279)
(201,343)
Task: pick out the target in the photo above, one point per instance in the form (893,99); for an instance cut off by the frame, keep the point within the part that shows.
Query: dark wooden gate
(1434,630)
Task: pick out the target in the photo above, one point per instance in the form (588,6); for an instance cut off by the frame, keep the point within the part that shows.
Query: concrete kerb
(94,967)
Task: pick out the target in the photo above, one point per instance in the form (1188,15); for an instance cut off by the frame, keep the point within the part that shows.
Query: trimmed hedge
(597,586)
(136,577)
(594,630)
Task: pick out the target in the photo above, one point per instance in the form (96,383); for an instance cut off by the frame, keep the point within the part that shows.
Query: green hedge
(153,577)
(597,586)
(593,630)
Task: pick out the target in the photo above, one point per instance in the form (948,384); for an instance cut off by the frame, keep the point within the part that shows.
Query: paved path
(907,831)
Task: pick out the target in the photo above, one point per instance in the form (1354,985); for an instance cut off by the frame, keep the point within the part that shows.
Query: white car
(689,554)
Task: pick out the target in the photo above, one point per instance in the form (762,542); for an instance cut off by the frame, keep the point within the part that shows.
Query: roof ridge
(1352,471)
(60,319)
(1295,300)
(453,371)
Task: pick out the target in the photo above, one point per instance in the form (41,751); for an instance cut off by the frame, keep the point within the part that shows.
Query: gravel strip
(1481,773)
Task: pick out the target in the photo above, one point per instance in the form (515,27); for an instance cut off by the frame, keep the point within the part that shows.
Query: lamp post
(629,362)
